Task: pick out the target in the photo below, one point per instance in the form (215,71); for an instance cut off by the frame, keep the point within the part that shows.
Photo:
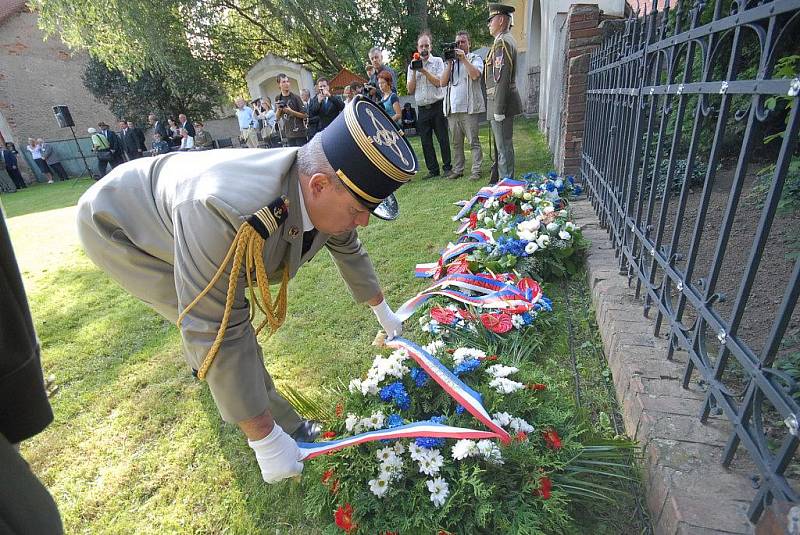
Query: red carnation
(521,436)
(443,315)
(473,220)
(344,518)
(497,323)
(509,208)
(536,386)
(328,434)
(488,357)
(339,409)
(545,486)
(326,476)
(552,439)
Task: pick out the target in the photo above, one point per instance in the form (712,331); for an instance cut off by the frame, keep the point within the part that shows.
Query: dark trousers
(59,170)
(295,141)
(431,120)
(16,176)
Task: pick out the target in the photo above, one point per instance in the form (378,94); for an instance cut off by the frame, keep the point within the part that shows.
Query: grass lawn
(137,445)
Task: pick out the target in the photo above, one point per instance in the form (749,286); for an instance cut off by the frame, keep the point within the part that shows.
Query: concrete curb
(688,489)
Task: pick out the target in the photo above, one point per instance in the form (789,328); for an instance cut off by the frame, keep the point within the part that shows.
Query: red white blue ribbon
(465,244)
(460,392)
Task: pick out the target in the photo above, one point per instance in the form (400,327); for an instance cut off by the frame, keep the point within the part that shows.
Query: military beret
(370,155)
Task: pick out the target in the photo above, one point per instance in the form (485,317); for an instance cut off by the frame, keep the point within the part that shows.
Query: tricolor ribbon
(460,392)
(450,253)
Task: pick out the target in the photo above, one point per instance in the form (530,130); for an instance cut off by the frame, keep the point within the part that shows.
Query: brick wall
(583,36)
(36,75)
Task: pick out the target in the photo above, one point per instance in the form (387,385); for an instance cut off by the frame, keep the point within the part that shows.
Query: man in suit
(323,108)
(187,124)
(12,167)
(139,135)
(114,144)
(130,143)
(163,228)
(502,98)
(158,126)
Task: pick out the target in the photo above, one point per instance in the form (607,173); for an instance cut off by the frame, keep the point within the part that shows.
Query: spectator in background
(36,153)
(247,123)
(463,104)
(202,138)
(52,160)
(376,62)
(323,108)
(102,149)
(425,85)
(409,117)
(12,167)
(130,143)
(114,143)
(139,135)
(347,93)
(291,114)
(268,119)
(160,146)
(187,141)
(158,126)
(305,96)
(183,122)
(389,100)
(356,88)
(174,133)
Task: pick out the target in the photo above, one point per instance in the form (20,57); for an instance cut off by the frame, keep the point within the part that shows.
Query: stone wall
(36,75)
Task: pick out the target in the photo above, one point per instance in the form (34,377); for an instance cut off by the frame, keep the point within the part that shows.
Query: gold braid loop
(248,248)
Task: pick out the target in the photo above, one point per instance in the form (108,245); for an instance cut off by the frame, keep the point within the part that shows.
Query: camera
(280,104)
(416,62)
(449,51)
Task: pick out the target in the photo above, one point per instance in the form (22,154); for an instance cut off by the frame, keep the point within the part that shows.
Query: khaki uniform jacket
(161,227)
(500,74)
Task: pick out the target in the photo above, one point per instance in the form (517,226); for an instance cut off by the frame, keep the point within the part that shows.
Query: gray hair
(311,159)
(374,49)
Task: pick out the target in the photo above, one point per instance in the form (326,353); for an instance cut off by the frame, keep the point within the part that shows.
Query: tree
(148,93)
(222,39)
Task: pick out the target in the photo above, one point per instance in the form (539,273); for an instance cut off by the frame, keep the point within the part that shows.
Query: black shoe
(308,431)
(431,175)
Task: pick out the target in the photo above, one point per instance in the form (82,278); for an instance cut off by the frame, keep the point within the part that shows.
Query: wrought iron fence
(690,158)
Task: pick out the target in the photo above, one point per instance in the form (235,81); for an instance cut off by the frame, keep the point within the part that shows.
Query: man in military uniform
(167,228)
(502,98)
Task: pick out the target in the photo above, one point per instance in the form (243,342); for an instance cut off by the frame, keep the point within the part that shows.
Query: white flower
(465,353)
(564,235)
(548,209)
(431,462)
(463,449)
(416,451)
(392,466)
(369,387)
(505,386)
(526,207)
(490,451)
(518,191)
(552,227)
(518,424)
(570,226)
(354,386)
(385,454)
(488,221)
(351,423)
(434,347)
(399,449)
(379,485)
(502,419)
(499,370)
(543,241)
(534,224)
(532,247)
(527,195)
(516,321)
(376,420)
(439,490)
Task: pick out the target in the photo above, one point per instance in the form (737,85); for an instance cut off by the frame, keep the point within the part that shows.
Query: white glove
(499,118)
(392,325)
(278,455)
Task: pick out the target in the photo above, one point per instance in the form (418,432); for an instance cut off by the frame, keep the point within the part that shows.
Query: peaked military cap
(370,155)
(499,9)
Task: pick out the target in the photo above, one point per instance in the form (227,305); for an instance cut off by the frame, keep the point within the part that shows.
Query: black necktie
(308,239)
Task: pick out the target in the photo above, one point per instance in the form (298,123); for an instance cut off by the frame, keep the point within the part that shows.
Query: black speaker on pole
(63,116)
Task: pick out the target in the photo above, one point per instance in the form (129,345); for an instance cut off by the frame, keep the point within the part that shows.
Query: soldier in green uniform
(502,98)
(188,232)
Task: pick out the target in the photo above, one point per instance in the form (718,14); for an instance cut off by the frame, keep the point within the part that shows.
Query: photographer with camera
(463,102)
(424,82)
(290,114)
(323,108)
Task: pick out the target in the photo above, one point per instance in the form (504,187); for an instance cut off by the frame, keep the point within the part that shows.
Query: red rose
(473,220)
(326,476)
(552,439)
(328,434)
(497,323)
(443,315)
(344,518)
(509,208)
(545,486)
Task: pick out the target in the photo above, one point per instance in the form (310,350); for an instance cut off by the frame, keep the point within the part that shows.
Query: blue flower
(513,247)
(438,419)
(396,392)
(394,420)
(527,317)
(429,443)
(419,375)
(459,409)
(571,180)
(544,304)
(466,366)
(552,174)
(550,186)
